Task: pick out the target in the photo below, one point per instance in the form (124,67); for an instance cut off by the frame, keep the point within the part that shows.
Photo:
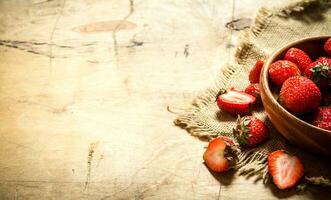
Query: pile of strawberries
(305,86)
(304,91)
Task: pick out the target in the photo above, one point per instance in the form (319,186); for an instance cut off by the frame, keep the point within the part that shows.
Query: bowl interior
(314,48)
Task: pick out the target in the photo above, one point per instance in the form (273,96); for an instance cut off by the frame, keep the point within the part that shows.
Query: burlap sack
(271,30)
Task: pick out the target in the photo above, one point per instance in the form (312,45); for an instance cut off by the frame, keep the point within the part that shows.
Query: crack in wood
(40,48)
(23,42)
(9,45)
(135,43)
(91,151)
(131,10)
(41,2)
(239,24)
(186,50)
(219,194)
(52,35)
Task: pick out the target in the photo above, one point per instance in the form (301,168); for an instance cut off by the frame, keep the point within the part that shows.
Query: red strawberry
(218,156)
(322,118)
(254,90)
(298,57)
(235,102)
(324,59)
(250,131)
(254,74)
(285,170)
(281,70)
(299,95)
(327,47)
(320,72)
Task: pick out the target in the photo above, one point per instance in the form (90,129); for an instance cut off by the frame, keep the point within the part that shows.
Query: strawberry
(322,118)
(254,74)
(235,102)
(250,131)
(254,90)
(218,156)
(323,59)
(327,47)
(285,170)
(281,70)
(320,72)
(298,57)
(299,95)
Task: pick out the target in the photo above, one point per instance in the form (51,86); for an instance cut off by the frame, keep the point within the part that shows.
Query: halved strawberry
(254,74)
(218,156)
(250,131)
(235,102)
(286,170)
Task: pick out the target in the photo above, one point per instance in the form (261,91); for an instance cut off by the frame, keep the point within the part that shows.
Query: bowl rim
(265,78)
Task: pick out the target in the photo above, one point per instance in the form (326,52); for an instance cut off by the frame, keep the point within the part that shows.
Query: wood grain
(84,90)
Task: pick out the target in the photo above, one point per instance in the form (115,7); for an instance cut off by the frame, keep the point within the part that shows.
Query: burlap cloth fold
(271,30)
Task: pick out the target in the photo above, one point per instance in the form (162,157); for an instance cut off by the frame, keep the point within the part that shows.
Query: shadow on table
(311,192)
(224,178)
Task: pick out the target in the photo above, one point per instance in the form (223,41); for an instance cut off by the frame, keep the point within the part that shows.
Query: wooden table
(85,86)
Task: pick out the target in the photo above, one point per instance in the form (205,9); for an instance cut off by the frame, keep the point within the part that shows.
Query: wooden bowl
(294,129)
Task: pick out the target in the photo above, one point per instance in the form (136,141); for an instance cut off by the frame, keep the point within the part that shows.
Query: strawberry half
(298,57)
(285,170)
(235,102)
(218,156)
(254,74)
(327,47)
(250,131)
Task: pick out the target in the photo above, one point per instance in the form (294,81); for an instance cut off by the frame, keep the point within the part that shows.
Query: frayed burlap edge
(250,163)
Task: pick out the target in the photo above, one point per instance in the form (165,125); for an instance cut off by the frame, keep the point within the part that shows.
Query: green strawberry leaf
(321,71)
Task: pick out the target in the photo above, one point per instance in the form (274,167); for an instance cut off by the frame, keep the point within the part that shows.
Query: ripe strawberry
(254,90)
(281,70)
(250,131)
(235,102)
(285,170)
(327,47)
(324,59)
(298,57)
(218,156)
(322,118)
(299,95)
(320,72)
(254,74)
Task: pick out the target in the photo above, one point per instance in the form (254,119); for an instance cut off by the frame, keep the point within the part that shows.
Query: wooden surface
(84,89)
